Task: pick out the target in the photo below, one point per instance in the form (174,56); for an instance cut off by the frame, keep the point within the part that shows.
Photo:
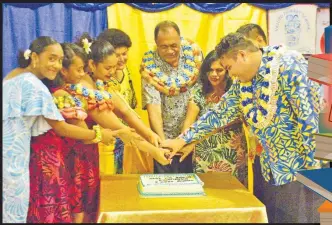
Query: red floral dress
(83,159)
(49,180)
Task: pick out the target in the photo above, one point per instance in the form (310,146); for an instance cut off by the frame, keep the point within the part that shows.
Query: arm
(155,119)
(107,119)
(151,101)
(64,129)
(123,110)
(191,116)
(76,122)
(226,111)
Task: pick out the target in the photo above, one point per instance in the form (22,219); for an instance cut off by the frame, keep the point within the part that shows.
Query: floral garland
(70,107)
(166,84)
(112,83)
(260,112)
(95,98)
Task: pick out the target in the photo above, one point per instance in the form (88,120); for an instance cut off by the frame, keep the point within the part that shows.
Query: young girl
(131,159)
(101,65)
(83,159)
(29,111)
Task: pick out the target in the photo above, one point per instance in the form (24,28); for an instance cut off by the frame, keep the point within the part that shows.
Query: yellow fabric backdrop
(206,29)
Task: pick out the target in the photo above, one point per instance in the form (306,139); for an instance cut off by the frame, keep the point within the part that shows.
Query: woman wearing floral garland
(84,159)
(133,160)
(225,151)
(102,64)
(29,111)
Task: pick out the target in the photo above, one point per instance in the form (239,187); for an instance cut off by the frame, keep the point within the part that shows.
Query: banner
(295,27)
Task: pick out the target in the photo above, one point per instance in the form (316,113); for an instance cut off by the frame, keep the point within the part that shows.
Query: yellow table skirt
(134,160)
(226,201)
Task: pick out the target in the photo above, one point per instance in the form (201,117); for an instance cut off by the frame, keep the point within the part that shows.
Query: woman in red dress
(82,159)
(53,190)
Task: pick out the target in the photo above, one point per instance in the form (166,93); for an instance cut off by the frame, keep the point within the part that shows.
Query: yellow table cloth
(226,201)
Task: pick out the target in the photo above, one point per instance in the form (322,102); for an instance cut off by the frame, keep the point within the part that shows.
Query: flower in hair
(27,54)
(86,45)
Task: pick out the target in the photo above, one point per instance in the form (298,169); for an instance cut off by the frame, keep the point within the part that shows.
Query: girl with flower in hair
(83,159)
(29,112)
(102,64)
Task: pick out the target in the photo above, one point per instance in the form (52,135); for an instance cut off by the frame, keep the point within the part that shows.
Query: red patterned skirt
(49,180)
(83,164)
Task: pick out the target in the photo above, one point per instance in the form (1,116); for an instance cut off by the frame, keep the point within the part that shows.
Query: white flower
(86,45)
(27,54)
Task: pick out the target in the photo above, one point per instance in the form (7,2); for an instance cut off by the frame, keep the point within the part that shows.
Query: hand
(160,155)
(154,139)
(127,135)
(186,150)
(174,144)
(107,136)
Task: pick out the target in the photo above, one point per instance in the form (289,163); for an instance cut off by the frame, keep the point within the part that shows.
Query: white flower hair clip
(27,54)
(86,45)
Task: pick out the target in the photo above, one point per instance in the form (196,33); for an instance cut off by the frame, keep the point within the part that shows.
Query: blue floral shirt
(287,140)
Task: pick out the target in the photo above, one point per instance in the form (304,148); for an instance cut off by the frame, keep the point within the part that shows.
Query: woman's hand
(154,139)
(174,144)
(186,150)
(160,155)
(107,136)
(127,135)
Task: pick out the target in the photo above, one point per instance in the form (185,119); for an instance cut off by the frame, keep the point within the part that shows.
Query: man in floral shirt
(273,94)
(166,110)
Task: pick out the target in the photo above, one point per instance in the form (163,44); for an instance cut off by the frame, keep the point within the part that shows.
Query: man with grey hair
(167,77)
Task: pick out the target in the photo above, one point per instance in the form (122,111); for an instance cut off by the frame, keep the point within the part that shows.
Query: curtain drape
(21,25)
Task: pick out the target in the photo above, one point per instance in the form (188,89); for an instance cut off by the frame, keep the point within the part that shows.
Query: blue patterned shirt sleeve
(226,111)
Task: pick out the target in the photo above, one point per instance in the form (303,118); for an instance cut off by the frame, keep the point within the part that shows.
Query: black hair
(70,50)
(99,48)
(163,25)
(252,30)
(233,42)
(205,69)
(37,46)
(116,37)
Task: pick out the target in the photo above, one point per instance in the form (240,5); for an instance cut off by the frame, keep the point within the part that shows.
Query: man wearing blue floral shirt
(274,96)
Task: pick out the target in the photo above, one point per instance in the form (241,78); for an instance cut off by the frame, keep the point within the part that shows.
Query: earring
(33,65)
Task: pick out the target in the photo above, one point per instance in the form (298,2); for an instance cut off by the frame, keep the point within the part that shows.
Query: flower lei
(70,107)
(95,98)
(166,84)
(112,84)
(260,112)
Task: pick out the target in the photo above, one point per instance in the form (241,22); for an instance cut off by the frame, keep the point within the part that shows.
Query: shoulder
(60,93)
(25,82)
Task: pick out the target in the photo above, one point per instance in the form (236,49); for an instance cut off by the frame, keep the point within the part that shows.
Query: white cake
(170,185)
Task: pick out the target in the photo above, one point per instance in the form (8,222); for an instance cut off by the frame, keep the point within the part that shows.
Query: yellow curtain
(206,29)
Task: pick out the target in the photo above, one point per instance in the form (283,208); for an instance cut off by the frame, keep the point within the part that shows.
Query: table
(226,200)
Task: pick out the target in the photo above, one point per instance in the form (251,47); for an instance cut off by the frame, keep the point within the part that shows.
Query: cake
(170,185)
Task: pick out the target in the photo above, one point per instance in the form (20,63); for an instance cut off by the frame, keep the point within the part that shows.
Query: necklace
(188,76)
(259,110)
(95,98)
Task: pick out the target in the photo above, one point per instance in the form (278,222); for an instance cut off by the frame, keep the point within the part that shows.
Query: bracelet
(98,137)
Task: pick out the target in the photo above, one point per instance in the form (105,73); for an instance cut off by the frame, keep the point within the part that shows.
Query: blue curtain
(22,23)
(212,7)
